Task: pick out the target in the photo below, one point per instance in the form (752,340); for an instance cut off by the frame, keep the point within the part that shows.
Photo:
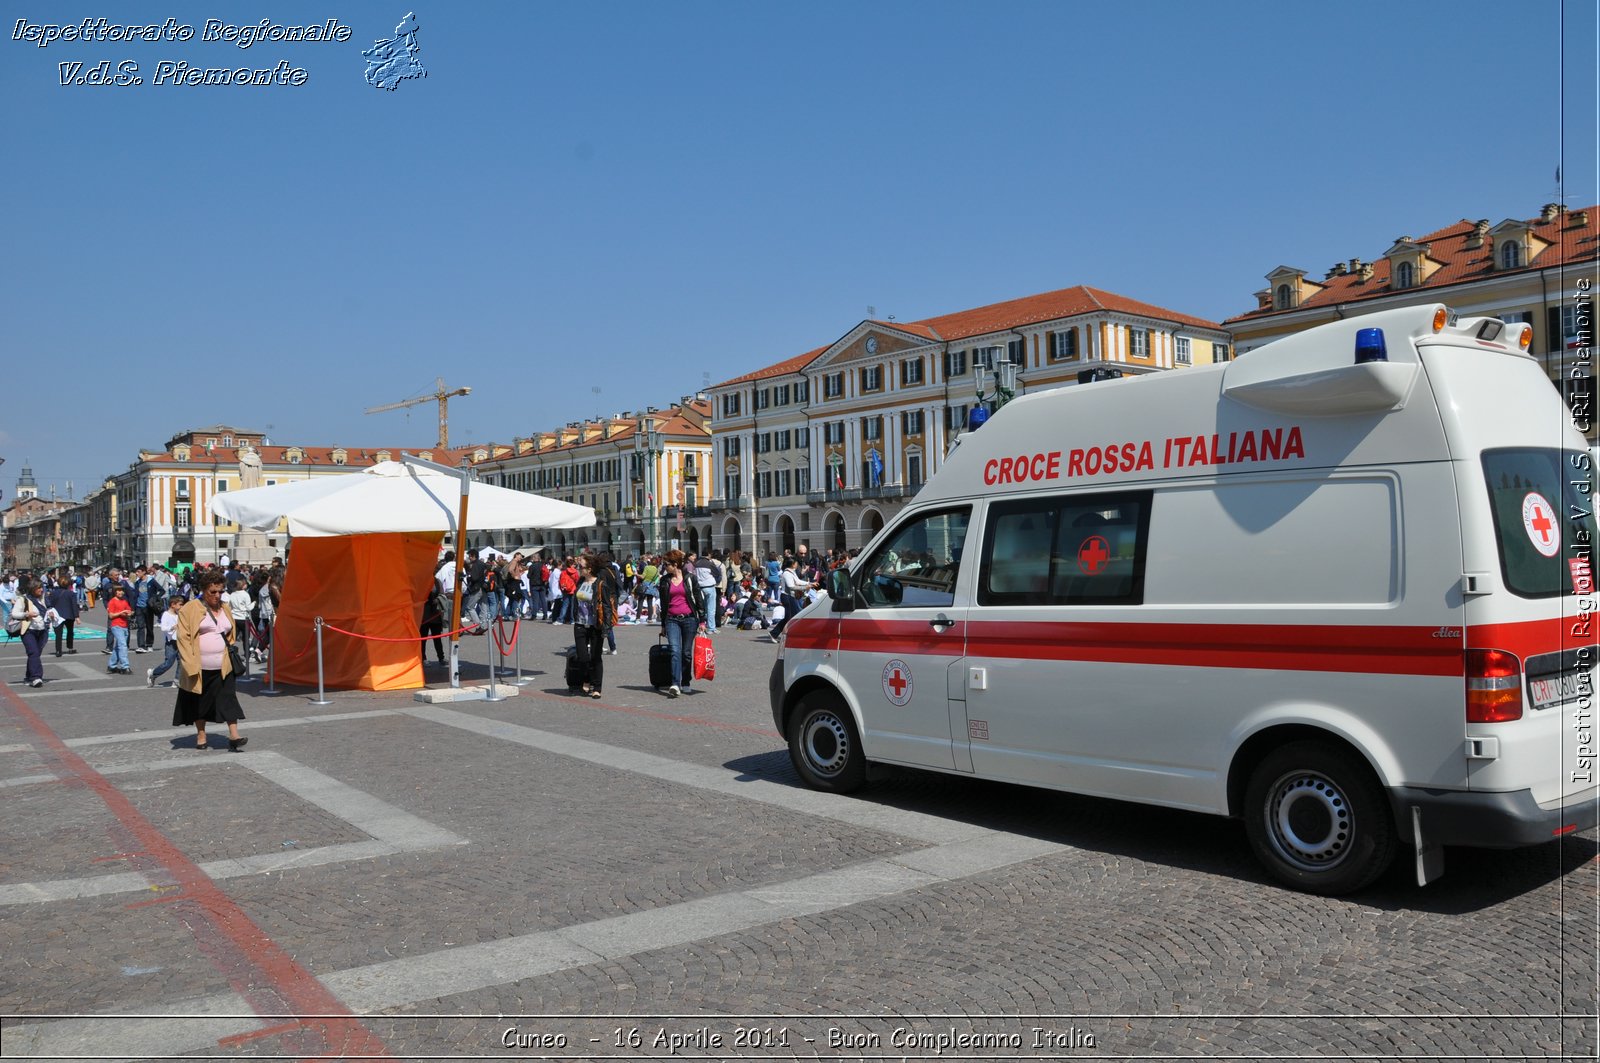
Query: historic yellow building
(824,447)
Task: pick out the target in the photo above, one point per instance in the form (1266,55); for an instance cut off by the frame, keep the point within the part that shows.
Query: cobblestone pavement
(554,877)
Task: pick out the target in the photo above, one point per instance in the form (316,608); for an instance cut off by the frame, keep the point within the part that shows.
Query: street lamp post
(1005,389)
(647,445)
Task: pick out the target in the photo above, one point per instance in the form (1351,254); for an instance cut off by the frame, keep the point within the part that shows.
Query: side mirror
(840,591)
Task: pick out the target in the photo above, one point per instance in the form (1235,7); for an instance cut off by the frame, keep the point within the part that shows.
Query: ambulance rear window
(1542,505)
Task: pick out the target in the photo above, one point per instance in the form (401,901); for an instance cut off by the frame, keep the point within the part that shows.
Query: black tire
(1318,819)
(824,745)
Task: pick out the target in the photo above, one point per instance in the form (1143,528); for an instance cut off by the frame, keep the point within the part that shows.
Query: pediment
(870,341)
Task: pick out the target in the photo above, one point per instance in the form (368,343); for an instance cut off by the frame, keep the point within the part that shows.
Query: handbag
(235,657)
(705,658)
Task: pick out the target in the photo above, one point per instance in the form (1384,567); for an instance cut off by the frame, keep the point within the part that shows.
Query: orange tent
(371,585)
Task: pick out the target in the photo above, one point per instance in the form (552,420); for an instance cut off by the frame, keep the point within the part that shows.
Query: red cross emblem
(897,682)
(1538,519)
(1093,555)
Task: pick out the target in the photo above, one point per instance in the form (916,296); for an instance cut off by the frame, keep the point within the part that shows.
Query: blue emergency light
(976,417)
(1370,346)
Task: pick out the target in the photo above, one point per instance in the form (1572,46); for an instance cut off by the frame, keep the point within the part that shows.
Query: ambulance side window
(917,567)
(1073,550)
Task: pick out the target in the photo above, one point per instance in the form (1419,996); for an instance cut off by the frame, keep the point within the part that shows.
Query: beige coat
(190,617)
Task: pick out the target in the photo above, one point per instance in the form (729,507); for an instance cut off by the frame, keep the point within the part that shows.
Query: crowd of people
(596,592)
(192,614)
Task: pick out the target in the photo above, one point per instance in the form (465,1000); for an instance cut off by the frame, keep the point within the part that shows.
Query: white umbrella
(391,497)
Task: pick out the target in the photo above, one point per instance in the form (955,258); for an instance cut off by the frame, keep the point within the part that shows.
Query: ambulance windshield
(1542,501)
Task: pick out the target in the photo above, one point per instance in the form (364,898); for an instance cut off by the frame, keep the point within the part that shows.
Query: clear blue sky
(641,198)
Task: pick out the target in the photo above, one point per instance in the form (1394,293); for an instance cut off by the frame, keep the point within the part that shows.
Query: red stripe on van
(811,633)
(1531,637)
(1308,648)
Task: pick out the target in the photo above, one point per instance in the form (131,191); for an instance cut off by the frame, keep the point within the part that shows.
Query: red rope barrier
(504,647)
(417,638)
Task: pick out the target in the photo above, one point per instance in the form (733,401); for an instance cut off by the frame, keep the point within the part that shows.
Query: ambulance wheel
(824,745)
(1317,819)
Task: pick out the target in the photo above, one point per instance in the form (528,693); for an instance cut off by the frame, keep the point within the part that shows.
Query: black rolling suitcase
(576,672)
(660,665)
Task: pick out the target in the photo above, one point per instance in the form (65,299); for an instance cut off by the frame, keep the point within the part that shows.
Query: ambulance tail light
(1370,346)
(1494,686)
(1441,318)
(1526,338)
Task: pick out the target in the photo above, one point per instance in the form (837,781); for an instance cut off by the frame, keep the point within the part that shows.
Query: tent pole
(461,555)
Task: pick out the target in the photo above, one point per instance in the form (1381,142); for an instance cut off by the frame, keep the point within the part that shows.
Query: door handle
(940,622)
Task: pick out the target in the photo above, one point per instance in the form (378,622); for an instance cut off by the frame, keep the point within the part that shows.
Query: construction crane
(444,398)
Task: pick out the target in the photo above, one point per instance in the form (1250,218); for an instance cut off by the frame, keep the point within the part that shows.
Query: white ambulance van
(1340,588)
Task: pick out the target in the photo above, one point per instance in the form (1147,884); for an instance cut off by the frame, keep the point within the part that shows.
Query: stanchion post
(322,698)
(272,657)
(494,651)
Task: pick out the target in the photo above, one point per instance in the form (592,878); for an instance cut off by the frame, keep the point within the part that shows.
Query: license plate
(1558,688)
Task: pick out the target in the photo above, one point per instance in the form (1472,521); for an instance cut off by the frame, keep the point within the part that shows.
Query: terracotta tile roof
(789,365)
(1460,263)
(998,317)
(1049,306)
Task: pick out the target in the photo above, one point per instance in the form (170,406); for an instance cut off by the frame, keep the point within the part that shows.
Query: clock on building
(872,345)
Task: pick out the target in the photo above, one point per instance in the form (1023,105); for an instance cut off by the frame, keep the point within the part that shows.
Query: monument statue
(250,546)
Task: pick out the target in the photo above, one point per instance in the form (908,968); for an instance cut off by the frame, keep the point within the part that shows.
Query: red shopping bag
(705,658)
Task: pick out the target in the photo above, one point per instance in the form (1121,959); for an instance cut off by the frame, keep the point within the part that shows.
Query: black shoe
(236,744)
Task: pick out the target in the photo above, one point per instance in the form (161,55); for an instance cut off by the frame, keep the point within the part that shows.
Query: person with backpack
(27,618)
(538,587)
(64,600)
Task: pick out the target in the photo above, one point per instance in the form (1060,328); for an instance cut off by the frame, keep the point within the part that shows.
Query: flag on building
(838,480)
(876,464)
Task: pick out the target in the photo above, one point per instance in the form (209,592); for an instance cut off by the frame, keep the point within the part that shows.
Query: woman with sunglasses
(205,673)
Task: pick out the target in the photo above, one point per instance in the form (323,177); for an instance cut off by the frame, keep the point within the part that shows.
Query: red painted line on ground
(258,968)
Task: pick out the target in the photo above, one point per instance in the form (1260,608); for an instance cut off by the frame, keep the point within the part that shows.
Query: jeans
(119,647)
(172,659)
(709,596)
(147,627)
(588,645)
(469,609)
(33,641)
(680,639)
(537,601)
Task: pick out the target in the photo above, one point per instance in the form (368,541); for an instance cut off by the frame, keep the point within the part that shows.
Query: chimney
(1366,272)
(1355,265)
(1338,270)
(1578,220)
(1479,231)
(1264,299)
(1549,211)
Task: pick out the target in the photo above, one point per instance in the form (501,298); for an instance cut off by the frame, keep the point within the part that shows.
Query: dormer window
(1283,297)
(1510,255)
(383,455)
(295,455)
(1405,275)
(340,456)
(181,452)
